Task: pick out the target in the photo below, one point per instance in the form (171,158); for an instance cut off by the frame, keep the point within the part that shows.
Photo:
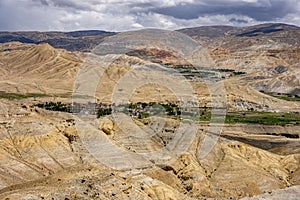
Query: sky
(118,15)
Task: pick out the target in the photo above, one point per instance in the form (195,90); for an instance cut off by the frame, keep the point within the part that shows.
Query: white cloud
(122,15)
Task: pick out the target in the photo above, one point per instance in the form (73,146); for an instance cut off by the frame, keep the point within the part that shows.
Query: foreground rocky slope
(42,156)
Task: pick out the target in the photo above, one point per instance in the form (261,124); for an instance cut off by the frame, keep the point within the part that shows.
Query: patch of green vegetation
(205,115)
(143,115)
(238,73)
(63,95)
(203,71)
(9,95)
(225,70)
(286,97)
(54,106)
(103,112)
(266,118)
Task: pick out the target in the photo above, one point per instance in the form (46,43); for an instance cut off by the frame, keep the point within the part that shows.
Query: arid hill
(268,53)
(30,68)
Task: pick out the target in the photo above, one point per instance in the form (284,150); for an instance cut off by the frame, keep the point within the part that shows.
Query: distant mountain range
(272,30)
(88,39)
(72,41)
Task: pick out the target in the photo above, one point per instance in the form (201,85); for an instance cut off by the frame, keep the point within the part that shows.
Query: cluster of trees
(103,112)
(153,108)
(54,106)
(172,109)
(238,73)
(140,109)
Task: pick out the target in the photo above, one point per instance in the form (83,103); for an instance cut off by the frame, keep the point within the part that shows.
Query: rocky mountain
(72,41)
(282,33)
(31,68)
(261,51)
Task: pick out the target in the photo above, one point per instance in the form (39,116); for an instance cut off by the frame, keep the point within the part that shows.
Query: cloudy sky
(118,15)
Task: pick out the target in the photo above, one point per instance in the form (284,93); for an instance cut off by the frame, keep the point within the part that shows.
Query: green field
(286,97)
(266,118)
(251,117)
(8,95)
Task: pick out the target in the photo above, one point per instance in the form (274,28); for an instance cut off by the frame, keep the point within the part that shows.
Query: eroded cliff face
(270,58)
(30,68)
(43,156)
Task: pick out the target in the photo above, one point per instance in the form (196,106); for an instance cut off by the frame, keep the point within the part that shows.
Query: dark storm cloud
(260,10)
(120,15)
(63,4)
